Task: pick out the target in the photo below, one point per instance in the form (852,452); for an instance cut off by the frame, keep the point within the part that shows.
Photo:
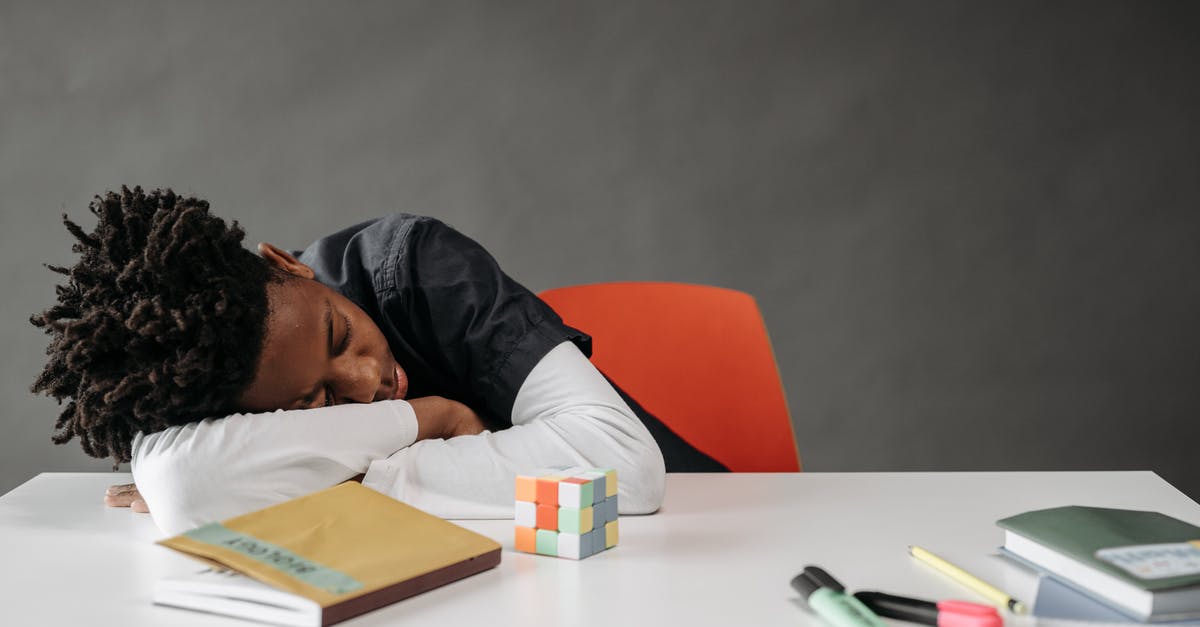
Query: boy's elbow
(646,486)
(181,503)
(181,495)
(168,493)
(173,520)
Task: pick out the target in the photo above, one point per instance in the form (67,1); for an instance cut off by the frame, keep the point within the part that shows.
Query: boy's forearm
(215,469)
(566,416)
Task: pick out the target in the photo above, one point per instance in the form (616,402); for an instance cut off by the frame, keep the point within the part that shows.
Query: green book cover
(1165,551)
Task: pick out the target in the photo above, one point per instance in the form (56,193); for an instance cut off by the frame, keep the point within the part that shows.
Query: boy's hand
(439,417)
(126,495)
(464,421)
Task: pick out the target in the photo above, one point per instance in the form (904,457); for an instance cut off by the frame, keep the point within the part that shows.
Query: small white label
(1155,561)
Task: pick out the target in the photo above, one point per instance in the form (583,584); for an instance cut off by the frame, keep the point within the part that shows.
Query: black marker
(942,613)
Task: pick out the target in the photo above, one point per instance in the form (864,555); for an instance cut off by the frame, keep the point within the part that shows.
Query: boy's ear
(283,260)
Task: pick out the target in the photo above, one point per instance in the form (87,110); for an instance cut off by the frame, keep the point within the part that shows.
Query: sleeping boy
(395,352)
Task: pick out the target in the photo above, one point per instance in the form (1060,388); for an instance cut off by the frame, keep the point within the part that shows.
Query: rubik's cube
(567,516)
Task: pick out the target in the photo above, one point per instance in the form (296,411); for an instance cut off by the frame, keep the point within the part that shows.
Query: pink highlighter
(941,613)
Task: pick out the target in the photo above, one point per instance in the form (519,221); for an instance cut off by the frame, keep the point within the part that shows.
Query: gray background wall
(972,227)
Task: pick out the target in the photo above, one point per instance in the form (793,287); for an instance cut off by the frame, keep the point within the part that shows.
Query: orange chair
(696,357)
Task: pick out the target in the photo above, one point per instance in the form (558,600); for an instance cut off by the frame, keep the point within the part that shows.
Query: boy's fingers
(121,500)
(132,500)
(123,495)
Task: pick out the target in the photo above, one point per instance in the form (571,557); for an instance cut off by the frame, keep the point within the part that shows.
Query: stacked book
(1146,565)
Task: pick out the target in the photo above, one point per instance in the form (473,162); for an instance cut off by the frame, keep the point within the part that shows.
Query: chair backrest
(698,358)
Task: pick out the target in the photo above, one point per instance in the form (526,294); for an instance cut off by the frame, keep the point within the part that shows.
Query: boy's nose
(358,378)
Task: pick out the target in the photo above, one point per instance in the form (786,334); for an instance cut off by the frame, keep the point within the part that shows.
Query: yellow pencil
(992,593)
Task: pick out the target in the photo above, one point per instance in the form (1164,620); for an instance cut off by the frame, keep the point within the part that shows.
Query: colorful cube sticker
(571,516)
(525,514)
(547,489)
(571,520)
(575,492)
(547,517)
(526,539)
(547,542)
(527,489)
(610,508)
(593,541)
(570,546)
(610,485)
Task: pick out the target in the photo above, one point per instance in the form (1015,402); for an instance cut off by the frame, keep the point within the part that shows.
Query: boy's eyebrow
(329,325)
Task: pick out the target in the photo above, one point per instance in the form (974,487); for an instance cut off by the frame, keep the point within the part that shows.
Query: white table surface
(720,552)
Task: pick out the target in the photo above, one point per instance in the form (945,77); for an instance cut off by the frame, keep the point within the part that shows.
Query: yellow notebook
(335,554)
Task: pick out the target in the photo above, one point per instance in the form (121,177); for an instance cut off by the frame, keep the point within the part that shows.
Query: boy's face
(319,348)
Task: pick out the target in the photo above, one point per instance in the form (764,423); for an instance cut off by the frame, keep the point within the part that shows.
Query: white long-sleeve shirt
(566,417)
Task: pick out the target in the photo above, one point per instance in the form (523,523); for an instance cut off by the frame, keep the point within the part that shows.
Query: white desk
(721,551)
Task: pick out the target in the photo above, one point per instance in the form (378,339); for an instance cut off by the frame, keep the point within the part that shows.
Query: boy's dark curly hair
(160,323)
